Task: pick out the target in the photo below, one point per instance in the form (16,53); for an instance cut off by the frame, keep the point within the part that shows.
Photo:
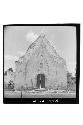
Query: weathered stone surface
(41,58)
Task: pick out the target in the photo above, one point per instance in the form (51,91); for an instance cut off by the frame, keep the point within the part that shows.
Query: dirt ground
(40,94)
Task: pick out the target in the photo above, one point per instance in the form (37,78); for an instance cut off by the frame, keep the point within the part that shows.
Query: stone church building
(41,67)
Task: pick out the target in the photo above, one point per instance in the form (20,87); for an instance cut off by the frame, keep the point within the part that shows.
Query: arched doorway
(41,81)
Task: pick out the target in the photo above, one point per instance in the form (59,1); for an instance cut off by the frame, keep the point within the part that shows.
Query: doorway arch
(41,81)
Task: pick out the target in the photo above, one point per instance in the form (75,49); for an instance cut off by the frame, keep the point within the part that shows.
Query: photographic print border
(49,100)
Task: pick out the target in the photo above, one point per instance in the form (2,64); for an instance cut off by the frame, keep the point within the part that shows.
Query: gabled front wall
(41,58)
(55,72)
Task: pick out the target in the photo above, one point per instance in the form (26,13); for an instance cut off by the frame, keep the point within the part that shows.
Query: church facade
(41,67)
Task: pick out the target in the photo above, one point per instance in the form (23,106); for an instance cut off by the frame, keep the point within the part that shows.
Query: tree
(71,82)
(69,76)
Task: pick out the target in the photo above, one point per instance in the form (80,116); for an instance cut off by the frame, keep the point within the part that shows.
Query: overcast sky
(18,38)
